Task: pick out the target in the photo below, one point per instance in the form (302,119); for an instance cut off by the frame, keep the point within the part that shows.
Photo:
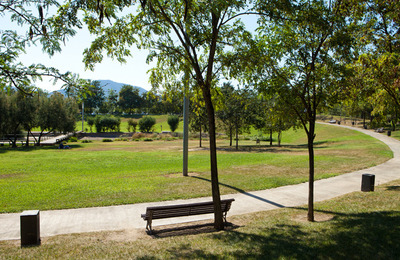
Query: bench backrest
(186,209)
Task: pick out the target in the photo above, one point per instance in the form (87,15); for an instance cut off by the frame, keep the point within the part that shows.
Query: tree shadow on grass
(243,192)
(393,188)
(374,235)
(35,148)
(272,149)
(187,229)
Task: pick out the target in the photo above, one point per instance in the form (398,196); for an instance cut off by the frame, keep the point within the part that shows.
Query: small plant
(73,139)
(107,140)
(148,139)
(86,141)
(121,139)
(137,135)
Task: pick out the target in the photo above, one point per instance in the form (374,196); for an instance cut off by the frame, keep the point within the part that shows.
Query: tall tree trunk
(270,137)
(200,135)
(310,139)
(230,136)
(237,138)
(279,138)
(218,217)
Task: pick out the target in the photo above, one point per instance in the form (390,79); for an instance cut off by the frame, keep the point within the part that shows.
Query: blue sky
(133,72)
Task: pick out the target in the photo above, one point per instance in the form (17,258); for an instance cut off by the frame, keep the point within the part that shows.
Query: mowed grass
(100,174)
(354,226)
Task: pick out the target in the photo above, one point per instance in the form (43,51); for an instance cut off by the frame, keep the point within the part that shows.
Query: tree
(233,111)
(129,99)
(56,113)
(173,122)
(49,31)
(146,123)
(380,46)
(198,120)
(93,98)
(186,38)
(300,55)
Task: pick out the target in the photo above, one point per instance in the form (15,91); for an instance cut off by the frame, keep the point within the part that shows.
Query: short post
(389,133)
(30,228)
(367,182)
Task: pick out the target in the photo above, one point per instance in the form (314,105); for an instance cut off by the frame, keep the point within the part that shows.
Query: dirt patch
(318,217)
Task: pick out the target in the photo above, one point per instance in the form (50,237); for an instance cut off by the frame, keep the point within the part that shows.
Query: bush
(73,139)
(173,122)
(147,139)
(107,123)
(107,140)
(86,141)
(146,123)
(132,124)
(90,121)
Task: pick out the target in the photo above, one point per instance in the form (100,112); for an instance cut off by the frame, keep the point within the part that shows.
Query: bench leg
(148,226)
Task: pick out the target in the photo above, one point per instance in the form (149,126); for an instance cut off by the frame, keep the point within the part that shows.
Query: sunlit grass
(98,174)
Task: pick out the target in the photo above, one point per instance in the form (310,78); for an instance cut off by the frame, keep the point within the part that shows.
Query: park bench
(182,210)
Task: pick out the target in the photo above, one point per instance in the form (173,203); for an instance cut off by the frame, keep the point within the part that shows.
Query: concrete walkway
(55,222)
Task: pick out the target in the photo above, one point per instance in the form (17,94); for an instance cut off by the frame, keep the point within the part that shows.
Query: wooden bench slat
(170,211)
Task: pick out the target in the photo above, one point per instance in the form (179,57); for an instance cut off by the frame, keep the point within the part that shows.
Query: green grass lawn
(99,174)
(354,226)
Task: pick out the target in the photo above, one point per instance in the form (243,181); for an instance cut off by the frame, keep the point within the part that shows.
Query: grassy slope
(98,174)
(357,226)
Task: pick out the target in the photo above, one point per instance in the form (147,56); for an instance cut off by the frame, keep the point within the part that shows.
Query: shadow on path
(244,192)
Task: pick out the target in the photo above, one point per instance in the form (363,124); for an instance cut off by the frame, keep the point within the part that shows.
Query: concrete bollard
(30,228)
(367,182)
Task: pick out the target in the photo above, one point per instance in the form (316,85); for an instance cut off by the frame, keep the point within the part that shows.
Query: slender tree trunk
(27,139)
(279,138)
(270,137)
(200,135)
(237,139)
(310,139)
(218,217)
(230,136)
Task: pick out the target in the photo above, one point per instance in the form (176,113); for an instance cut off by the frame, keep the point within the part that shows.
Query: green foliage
(107,123)
(173,122)
(146,123)
(38,26)
(91,121)
(107,140)
(132,124)
(86,141)
(73,139)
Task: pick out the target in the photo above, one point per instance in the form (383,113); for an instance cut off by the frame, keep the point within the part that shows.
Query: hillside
(107,85)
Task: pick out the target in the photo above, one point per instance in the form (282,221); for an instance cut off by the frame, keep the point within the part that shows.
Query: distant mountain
(107,85)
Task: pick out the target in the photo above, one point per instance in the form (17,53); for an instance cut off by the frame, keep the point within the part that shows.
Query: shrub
(137,136)
(86,141)
(132,124)
(107,123)
(146,123)
(90,121)
(107,140)
(147,139)
(121,139)
(73,139)
(173,122)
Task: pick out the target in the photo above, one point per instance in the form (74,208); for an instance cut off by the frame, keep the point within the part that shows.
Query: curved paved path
(67,221)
